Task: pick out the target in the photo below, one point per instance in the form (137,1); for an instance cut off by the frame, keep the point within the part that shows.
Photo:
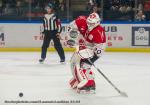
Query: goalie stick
(118,90)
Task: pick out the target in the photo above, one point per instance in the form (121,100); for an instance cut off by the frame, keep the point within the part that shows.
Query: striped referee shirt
(51,23)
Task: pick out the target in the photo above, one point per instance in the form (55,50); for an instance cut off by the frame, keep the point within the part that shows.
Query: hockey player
(90,36)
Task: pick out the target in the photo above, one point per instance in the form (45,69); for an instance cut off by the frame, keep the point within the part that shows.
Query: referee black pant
(51,35)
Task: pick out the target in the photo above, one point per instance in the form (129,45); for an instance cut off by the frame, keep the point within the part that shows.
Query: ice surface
(21,72)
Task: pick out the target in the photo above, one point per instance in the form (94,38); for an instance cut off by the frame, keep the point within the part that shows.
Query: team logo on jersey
(90,37)
(83,28)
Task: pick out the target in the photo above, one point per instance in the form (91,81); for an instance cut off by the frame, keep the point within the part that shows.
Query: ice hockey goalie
(88,36)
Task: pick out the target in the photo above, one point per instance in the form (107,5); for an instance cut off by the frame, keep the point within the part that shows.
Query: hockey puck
(20,94)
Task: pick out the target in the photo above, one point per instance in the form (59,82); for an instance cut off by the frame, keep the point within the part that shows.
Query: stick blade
(123,94)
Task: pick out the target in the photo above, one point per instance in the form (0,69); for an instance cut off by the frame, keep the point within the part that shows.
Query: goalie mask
(93,20)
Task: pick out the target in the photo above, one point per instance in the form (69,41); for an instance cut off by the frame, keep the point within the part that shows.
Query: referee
(52,30)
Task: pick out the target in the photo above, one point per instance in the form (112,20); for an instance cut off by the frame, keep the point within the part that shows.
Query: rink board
(73,49)
(120,37)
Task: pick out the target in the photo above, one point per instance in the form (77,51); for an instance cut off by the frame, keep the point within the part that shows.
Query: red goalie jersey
(92,32)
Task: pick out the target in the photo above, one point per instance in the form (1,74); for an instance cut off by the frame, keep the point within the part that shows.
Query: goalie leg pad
(73,83)
(74,63)
(86,79)
(83,77)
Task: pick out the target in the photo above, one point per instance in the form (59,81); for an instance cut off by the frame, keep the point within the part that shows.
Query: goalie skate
(86,90)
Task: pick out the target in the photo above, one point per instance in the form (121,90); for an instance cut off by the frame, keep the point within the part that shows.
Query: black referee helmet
(49,5)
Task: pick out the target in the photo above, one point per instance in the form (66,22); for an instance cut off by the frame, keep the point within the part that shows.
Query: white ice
(21,72)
